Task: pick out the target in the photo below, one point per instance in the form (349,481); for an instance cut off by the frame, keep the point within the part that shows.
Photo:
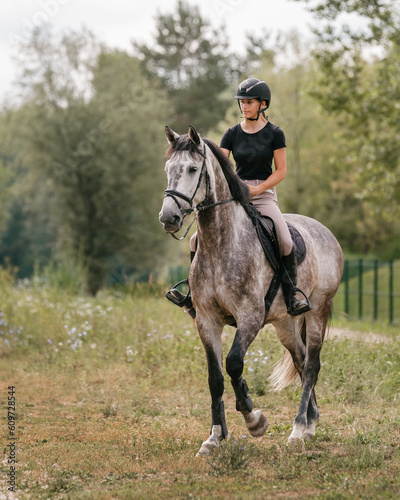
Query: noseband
(199,207)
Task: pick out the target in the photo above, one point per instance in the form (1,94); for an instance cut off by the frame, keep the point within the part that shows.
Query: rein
(199,207)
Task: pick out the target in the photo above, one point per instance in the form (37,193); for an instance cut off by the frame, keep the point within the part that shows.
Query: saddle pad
(267,236)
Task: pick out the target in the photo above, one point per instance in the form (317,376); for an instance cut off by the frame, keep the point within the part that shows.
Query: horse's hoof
(256,423)
(296,437)
(212,442)
(309,433)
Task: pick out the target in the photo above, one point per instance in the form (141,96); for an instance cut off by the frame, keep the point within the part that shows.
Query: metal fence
(370,289)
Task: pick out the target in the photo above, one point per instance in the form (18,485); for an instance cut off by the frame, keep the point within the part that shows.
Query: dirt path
(347,333)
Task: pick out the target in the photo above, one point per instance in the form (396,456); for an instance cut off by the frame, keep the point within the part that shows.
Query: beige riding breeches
(267,204)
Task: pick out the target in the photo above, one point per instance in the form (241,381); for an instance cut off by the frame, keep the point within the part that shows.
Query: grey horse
(230,276)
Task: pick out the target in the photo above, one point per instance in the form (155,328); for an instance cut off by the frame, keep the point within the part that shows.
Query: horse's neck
(221,225)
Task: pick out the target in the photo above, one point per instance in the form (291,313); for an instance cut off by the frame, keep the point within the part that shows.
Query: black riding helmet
(253,88)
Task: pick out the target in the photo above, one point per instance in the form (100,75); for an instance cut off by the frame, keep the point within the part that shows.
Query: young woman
(256,144)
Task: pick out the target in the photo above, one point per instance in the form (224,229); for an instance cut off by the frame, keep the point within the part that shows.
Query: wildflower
(7,342)
(250,369)
(73,330)
(49,341)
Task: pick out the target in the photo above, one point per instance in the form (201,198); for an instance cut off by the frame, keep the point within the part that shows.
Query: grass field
(112,401)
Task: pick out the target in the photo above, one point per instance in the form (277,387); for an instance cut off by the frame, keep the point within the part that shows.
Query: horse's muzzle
(172,222)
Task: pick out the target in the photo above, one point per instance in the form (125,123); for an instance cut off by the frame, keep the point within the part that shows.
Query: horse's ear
(194,136)
(170,134)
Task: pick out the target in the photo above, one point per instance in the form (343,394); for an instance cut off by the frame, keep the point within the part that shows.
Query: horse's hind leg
(212,344)
(256,422)
(308,414)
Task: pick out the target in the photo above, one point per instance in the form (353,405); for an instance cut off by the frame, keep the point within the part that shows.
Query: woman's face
(250,107)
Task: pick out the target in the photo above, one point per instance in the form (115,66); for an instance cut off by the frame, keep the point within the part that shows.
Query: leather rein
(199,207)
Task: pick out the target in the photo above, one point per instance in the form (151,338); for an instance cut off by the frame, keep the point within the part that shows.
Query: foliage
(359,69)
(90,161)
(191,60)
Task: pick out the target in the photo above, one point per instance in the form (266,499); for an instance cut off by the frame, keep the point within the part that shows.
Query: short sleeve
(226,140)
(279,139)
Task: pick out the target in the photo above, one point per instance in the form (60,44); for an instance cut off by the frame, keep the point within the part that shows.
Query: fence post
(390,292)
(376,290)
(346,286)
(360,288)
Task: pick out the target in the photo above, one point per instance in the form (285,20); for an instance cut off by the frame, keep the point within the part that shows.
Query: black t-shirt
(253,153)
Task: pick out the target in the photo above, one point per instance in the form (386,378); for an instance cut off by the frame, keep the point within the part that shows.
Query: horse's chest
(221,279)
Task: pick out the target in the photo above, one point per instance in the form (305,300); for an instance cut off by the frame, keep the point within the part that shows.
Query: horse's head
(186,173)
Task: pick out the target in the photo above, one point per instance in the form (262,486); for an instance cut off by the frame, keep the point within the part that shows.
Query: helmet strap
(258,112)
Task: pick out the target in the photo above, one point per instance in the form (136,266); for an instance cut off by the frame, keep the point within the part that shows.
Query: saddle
(269,240)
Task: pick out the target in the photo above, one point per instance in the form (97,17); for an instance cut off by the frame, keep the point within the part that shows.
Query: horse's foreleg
(256,422)
(216,384)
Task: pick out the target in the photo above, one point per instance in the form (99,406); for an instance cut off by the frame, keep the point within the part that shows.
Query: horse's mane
(237,187)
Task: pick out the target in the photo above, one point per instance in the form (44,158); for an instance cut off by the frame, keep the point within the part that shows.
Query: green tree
(85,138)
(359,68)
(318,182)
(192,62)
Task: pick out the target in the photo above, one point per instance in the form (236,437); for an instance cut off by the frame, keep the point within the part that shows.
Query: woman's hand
(254,190)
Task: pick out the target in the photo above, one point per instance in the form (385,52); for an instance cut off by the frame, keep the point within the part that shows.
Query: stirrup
(302,307)
(177,297)
(180,299)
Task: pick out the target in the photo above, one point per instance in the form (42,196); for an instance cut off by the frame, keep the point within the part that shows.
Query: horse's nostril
(175,219)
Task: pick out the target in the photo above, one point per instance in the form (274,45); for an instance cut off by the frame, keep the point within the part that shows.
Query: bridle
(200,206)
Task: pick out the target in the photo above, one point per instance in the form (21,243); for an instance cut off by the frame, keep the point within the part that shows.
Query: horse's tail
(285,372)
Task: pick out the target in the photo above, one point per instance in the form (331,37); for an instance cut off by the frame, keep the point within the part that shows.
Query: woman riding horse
(255,144)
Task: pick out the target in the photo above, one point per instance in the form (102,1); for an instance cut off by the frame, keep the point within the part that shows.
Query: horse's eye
(192,169)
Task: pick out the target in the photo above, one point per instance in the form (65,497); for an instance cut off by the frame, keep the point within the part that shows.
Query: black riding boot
(294,306)
(179,298)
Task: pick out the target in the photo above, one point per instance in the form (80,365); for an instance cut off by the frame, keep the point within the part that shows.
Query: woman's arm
(226,152)
(276,177)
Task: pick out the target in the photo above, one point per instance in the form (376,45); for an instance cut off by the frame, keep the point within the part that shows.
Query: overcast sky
(117,22)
